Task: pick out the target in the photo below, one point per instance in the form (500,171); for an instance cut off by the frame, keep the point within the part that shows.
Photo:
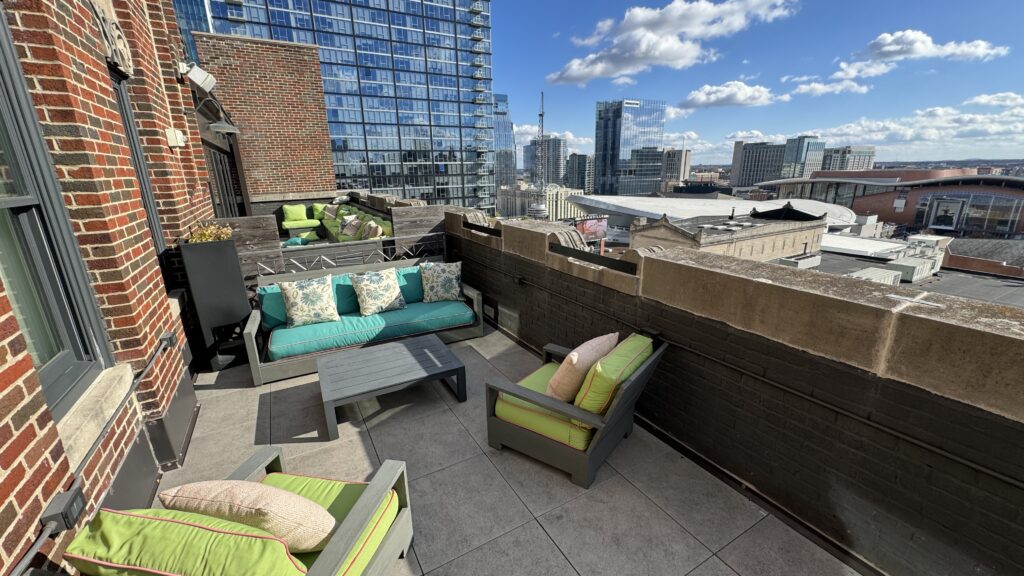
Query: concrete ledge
(82,426)
(530,238)
(618,281)
(969,351)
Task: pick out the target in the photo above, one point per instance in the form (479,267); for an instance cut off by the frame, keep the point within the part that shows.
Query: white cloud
(865,69)
(798,79)
(600,31)
(745,61)
(915,45)
(748,77)
(821,88)
(623,81)
(884,52)
(674,112)
(668,37)
(1001,99)
(734,93)
(755,135)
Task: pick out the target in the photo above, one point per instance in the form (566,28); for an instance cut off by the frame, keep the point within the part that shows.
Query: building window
(40,263)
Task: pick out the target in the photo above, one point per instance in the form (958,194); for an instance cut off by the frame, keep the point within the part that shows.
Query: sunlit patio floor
(480,512)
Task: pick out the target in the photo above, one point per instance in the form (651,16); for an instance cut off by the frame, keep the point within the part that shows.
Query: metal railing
(341,254)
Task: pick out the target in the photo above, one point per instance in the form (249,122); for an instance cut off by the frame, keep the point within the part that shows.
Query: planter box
(216,285)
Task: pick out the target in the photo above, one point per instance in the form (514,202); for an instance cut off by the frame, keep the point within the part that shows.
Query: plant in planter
(215,282)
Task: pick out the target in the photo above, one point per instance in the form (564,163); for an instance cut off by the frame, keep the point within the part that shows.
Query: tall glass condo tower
(192,17)
(628,146)
(408,85)
(504,145)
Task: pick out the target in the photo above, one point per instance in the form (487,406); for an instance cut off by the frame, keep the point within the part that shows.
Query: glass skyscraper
(628,142)
(408,86)
(504,145)
(192,17)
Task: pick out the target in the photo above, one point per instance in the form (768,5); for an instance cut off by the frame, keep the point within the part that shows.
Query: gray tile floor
(481,512)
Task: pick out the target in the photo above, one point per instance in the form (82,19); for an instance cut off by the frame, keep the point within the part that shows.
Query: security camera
(200,79)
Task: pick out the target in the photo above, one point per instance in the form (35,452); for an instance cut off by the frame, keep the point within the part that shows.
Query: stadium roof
(683,208)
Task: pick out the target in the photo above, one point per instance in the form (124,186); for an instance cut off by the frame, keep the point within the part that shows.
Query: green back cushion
(339,497)
(172,542)
(318,210)
(411,284)
(604,378)
(293,212)
(385,225)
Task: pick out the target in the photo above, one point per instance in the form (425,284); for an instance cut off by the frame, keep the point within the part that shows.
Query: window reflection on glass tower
(408,88)
(628,143)
(192,17)
(504,145)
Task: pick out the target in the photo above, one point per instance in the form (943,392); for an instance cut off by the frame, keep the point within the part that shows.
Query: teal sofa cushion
(345,295)
(355,330)
(272,302)
(411,284)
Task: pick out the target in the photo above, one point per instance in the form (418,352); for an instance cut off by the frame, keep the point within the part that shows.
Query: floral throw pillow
(378,292)
(309,301)
(441,281)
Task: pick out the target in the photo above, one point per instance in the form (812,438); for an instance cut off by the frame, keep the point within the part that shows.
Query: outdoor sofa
(374,529)
(277,352)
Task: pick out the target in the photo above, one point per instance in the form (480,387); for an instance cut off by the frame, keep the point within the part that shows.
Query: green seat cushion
(293,224)
(339,497)
(318,210)
(172,542)
(411,284)
(333,225)
(310,236)
(541,420)
(354,329)
(604,377)
(344,238)
(294,212)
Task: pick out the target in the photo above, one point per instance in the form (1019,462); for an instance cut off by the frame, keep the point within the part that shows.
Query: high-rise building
(513,202)
(675,168)
(192,17)
(504,145)
(803,155)
(579,172)
(408,87)
(848,158)
(551,166)
(756,162)
(628,139)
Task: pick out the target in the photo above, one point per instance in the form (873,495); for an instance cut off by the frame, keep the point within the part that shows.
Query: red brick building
(91,87)
(285,152)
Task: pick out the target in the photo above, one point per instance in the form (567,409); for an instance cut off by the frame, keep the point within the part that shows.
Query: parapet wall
(890,420)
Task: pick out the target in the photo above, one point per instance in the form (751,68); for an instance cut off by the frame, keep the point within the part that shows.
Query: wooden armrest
(390,476)
(252,349)
(552,351)
(265,460)
(544,401)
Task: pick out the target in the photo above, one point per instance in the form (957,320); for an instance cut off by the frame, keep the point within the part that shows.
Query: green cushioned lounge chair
(355,548)
(563,434)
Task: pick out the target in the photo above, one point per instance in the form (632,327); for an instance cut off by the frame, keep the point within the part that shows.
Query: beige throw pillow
(565,384)
(303,524)
(378,292)
(352,227)
(373,231)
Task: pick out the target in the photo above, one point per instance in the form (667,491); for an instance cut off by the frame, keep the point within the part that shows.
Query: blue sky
(919,79)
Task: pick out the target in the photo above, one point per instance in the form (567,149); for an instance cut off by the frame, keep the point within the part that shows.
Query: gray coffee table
(359,373)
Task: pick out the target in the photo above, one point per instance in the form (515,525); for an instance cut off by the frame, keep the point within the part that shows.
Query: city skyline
(918,85)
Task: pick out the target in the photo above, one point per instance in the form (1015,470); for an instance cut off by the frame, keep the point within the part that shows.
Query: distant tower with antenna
(538,209)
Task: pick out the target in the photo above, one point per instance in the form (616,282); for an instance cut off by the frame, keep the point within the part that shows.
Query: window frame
(41,220)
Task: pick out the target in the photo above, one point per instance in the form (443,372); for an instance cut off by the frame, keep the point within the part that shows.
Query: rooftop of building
(730,225)
(682,208)
(1009,251)
(982,287)
(904,178)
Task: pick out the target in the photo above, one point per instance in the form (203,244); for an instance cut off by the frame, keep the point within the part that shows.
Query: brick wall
(916,484)
(285,148)
(61,52)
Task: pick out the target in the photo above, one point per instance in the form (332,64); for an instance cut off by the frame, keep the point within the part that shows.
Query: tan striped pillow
(301,523)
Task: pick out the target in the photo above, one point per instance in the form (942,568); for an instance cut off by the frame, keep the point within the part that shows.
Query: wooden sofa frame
(390,476)
(272,371)
(609,429)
